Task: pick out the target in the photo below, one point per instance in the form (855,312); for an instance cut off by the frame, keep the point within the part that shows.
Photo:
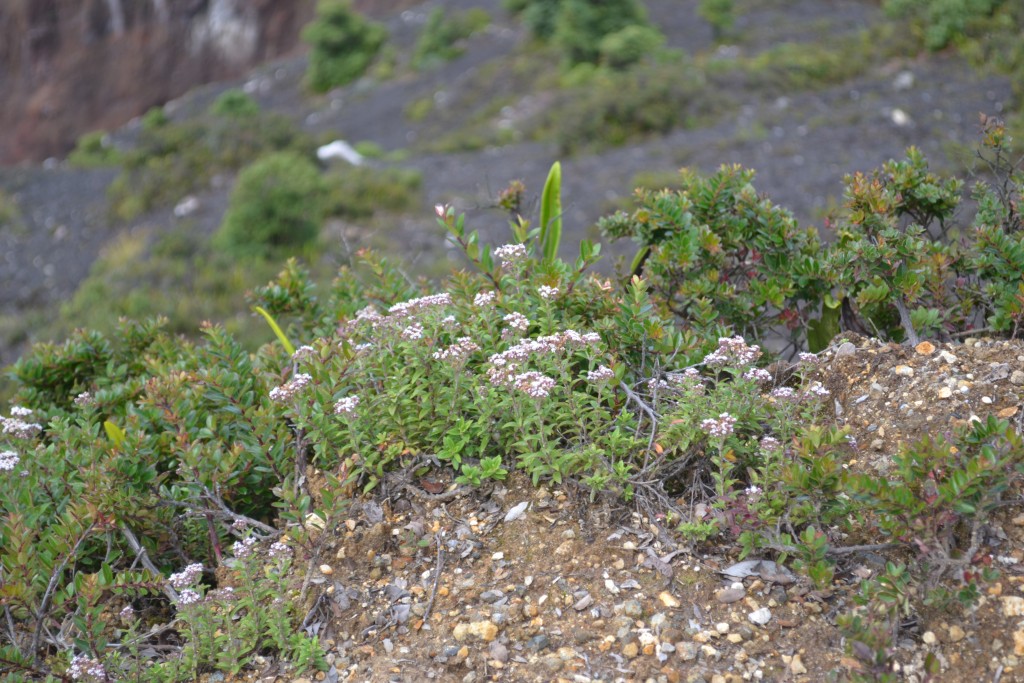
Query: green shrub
(537,15)
(342,45)
(942,22)
(720,14)
(235,104)
(361,191)
(582,25)
(723,259)
(609,108)
(94,150)
(442,36)
(10,212)
(173,159)
(629,45)
(277,204)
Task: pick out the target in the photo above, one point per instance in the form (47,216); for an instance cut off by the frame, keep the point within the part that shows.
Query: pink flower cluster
(243,549)
(721,426)
(287,392)
(459,351)
(346,405)
(407,308)
(534,384)
(83,666)
(687,380)
(9,460)
(732,351)
(17,427)
(187,576)
(510,254)
(602,374)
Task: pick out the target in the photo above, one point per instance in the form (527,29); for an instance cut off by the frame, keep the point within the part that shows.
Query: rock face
(71,66)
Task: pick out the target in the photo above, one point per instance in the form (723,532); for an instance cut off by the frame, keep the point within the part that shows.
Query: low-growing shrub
(235,104)
(278,204)
(342,45)
(361,191)
(94,150)
(443,35)
(942,22)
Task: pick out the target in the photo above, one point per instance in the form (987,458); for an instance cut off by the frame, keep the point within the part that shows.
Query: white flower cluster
(721,426)
(346,405)
(687,380)
(547,293)
(510,254)
(783,392)
(18,428)
(817,389)
(483,299)
(459,351)
(407,308)
(603,373)
(534,384)
(188,597)
(370,315)
(732,351)
(127,613)
(9,460)
(187,576)
(83,399)
(243,549)
(84,666)
(757,375)
(413,332)
(769,444)
(517,321)
(809,358)
(287,392)
(304,351)
(279,549)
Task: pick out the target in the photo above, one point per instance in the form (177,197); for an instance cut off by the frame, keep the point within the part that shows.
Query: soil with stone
(516,583)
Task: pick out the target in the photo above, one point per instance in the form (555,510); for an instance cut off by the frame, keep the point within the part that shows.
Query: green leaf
(823,330)
(114,433)
(288,346)
(551,213)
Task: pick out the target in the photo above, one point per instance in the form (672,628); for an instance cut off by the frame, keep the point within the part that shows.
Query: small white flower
(723,426)
(187,576)
(752,490)
(18,411)
(547,293)
(188,597)
(809,358)
(517,321)
(304,351)
(510,254)
(818,390)
(757,375)
(769,444)
(412,332)
(783,392)
(534,384)
(9,460)
(243,548)
(82,666)
(602,374)
(83,399)
(279,549)
(127,613)
(483,299)
(346,405)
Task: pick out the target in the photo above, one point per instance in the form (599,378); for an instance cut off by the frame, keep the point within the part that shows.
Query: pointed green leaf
(277,330)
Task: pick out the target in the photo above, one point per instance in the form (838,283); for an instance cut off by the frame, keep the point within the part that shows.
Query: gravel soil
(427,581)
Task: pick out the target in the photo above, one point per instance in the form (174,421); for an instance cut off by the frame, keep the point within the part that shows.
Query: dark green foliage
(235,104)
(442,36)
(277,204)
(722,258)
(342,45)
(581,26)
(629,45)
(943,21)
(537,15)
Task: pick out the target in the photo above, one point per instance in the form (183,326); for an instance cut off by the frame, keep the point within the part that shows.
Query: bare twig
(439,565)
(55,576)
(143,557)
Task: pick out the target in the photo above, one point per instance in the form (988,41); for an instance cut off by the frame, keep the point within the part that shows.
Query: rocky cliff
(70,66)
